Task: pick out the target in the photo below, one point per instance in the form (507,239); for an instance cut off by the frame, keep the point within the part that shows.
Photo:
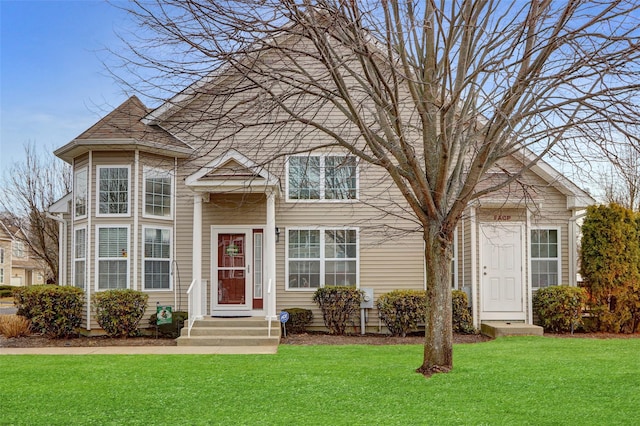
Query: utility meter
(367,298)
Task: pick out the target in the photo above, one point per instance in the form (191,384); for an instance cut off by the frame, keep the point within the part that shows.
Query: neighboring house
(18,267)
(153,209)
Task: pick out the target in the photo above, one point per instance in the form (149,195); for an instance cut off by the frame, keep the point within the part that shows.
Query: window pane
(158,194)
(80,193)
(157,246)
(79,274)
(112,242)
(340,177)
(112,274)
(304,274)
(304,178)
(113,190)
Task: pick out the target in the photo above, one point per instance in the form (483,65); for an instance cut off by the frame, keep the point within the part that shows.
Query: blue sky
(53,85)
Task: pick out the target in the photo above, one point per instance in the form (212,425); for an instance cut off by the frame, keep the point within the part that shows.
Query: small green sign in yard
(163,314)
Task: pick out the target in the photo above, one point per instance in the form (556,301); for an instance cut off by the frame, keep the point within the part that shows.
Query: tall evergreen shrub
(610,267)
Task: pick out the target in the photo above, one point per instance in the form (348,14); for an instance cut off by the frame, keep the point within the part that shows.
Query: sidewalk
(143,350)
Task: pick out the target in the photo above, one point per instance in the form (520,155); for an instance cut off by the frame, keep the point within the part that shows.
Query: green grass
(513,381)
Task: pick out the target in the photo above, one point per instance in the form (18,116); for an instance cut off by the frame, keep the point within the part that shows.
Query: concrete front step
(227,341)
(230,331)
(225,332)
(499,329)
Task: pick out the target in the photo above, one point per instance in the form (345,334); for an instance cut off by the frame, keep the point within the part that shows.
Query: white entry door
(501,272)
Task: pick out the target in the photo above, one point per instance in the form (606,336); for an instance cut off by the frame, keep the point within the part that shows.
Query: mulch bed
(310,338)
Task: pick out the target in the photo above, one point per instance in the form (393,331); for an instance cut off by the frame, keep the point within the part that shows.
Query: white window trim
(323,259)
(75,190)
(18,249)
(129,195)
(454,260)
(170,259)
(157,171)
(531,258)
(322,180)
(79,259)
(98,258)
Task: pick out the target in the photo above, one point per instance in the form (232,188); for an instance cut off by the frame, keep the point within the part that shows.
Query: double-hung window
(1,255)
(545,258)
(18,249)
(113,261)
(80,257)
(321,257)
(80,192)
(157,193)
(157,258)
(113,190)
(322,177)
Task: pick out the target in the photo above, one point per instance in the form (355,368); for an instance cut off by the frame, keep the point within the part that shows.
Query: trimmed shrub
(170,330)
(559,308)
(119,311)
(53,310)
(402,310)
(462,319)
(610,267)
(6,290)
(14,326)
(339,306)
(299,319)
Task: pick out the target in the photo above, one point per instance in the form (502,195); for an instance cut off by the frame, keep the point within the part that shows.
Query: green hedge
(119,311)
(559,308)
(402,310)
(461,315)
(53,310)
(299,319)
(340,306)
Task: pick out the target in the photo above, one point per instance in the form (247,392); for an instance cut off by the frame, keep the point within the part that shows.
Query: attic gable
(232,171)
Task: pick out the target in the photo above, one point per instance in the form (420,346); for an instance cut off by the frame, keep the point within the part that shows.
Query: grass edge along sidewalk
(517,380)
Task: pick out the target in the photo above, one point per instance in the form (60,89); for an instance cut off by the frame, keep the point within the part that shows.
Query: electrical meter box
(367,298)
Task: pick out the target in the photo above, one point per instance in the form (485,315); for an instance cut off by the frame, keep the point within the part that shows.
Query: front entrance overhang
(234,173)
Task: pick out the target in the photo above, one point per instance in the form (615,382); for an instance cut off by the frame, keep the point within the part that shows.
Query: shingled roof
(122,129)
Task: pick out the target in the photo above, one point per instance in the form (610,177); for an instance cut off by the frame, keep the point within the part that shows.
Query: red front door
(232,269)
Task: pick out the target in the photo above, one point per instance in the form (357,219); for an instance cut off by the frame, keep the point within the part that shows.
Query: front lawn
(525,380)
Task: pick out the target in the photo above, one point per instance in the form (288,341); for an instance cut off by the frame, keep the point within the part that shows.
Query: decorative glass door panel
(232,269)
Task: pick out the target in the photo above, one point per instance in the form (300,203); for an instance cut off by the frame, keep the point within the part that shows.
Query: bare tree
(28,189)
(436,93)
(622,184)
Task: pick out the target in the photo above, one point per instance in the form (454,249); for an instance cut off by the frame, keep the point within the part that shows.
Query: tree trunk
(438,346)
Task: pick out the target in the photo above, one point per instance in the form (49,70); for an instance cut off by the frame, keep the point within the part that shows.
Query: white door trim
(232,310)
(514,315)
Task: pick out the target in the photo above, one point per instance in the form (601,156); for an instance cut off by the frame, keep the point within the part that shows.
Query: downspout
(62,243)
(136,211)
(90,261)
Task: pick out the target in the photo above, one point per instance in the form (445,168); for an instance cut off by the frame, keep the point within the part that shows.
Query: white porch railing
(196,304)
(271,305)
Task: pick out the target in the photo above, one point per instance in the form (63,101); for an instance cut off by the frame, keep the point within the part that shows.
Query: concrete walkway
(143,350)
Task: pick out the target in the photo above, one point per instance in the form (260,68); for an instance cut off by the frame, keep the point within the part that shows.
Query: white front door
(501,272)
(231,283)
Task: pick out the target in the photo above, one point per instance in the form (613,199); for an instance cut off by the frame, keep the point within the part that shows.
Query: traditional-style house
(233,226)
(18,266)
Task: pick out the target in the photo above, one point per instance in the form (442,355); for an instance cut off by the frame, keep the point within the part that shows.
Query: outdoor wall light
(277,234)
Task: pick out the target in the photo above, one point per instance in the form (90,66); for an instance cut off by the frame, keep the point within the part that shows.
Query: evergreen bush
(339,305)
(610,267)
(119,311)
(559,308)
(299,319)
(53,310)
(402,310)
